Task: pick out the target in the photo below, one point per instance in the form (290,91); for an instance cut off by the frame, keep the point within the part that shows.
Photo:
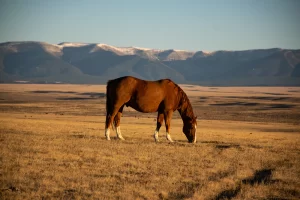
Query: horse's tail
(109,103)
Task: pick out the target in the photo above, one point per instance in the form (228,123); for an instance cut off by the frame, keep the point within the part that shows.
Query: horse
(161,96)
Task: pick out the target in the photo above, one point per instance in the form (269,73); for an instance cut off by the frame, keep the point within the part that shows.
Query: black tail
(109,106)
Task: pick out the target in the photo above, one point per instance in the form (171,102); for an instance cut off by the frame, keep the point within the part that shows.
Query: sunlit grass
(56,149)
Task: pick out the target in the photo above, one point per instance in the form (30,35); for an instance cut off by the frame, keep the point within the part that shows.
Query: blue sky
(164,24)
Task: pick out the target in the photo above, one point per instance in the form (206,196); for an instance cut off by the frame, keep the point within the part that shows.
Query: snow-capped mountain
(96,63)
(153,54)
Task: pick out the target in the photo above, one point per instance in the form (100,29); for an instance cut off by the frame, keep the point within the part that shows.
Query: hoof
(169,138)
(156,138)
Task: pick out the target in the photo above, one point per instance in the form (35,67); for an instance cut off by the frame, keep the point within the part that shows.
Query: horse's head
(189,129)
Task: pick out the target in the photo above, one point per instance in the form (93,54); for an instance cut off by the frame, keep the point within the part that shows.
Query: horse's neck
(186,110)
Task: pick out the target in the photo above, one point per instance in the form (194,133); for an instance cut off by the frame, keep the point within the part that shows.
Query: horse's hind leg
(117,120)
(160,120)
(110,116)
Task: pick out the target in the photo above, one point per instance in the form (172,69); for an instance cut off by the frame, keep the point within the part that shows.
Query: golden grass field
(53,146)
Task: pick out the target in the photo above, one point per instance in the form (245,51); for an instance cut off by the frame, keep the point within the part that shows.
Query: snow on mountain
(55,50)
(153,54)
(117,50)
(72,44)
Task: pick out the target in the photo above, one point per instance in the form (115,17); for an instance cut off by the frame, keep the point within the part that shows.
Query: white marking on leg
(107,132)
(119,135)
(169,137)
(156,136)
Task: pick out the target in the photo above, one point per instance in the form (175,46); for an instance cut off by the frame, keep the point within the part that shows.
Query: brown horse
(162,96)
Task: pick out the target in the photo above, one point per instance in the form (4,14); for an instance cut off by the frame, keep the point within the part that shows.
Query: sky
(159,24)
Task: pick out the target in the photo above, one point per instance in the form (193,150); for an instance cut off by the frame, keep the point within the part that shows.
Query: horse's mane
(185,107)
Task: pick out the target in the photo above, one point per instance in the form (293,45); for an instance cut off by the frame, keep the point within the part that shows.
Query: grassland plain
(53,146)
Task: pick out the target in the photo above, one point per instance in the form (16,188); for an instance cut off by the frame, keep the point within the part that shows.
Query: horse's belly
(145,110)
(143,104)
(142,108)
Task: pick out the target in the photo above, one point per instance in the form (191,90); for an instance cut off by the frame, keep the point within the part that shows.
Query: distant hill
(40,62)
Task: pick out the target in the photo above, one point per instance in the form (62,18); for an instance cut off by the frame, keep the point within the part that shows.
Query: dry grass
(53,146)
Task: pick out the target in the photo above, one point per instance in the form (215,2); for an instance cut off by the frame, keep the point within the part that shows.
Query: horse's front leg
(168,117)
(159,121)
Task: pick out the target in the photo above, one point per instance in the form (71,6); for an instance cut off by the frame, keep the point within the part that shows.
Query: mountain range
(83,63)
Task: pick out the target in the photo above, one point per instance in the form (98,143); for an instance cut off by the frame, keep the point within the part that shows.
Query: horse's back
(142,85)
(132,83)
(125,80)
